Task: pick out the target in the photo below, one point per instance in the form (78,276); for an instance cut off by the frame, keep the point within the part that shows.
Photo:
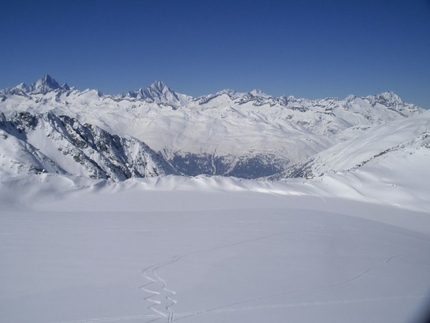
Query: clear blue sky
(305,48)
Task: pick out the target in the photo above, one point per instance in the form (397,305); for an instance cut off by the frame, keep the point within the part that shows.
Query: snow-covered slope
(227,133)
(207,249)
(59,144)
(382,145)
(387,164)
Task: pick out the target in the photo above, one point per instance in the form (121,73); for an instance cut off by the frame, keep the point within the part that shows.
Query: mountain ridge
(228,133)
(34,144)
(410,135)
(156,89)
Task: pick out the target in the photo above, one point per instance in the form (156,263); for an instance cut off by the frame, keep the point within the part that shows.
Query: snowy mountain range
(48,127)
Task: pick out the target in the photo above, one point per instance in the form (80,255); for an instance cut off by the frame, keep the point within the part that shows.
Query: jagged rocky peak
(257,97)
(350,97)
(388,97)
(159,87)
(157,92)
(22,86)
(229,92)
(45,84)
(160,92)
(259,93)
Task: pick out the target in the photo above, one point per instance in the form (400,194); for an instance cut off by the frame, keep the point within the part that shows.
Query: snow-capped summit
(22,87)
(259,93)
(388,97)
(158,92)
(45,84)
(42,86)
(159,87)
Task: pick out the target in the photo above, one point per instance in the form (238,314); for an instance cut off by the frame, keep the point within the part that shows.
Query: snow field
(205,249)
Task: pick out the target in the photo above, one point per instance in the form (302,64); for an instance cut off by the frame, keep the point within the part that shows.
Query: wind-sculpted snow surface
(228,133)
(208,249)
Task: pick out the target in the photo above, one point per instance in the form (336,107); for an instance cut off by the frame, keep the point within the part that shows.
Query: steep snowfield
(60,144)
(380,145)
(206,249)
(227,133)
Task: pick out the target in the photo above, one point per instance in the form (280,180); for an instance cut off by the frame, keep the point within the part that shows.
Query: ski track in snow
(163,308)
(151,274)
